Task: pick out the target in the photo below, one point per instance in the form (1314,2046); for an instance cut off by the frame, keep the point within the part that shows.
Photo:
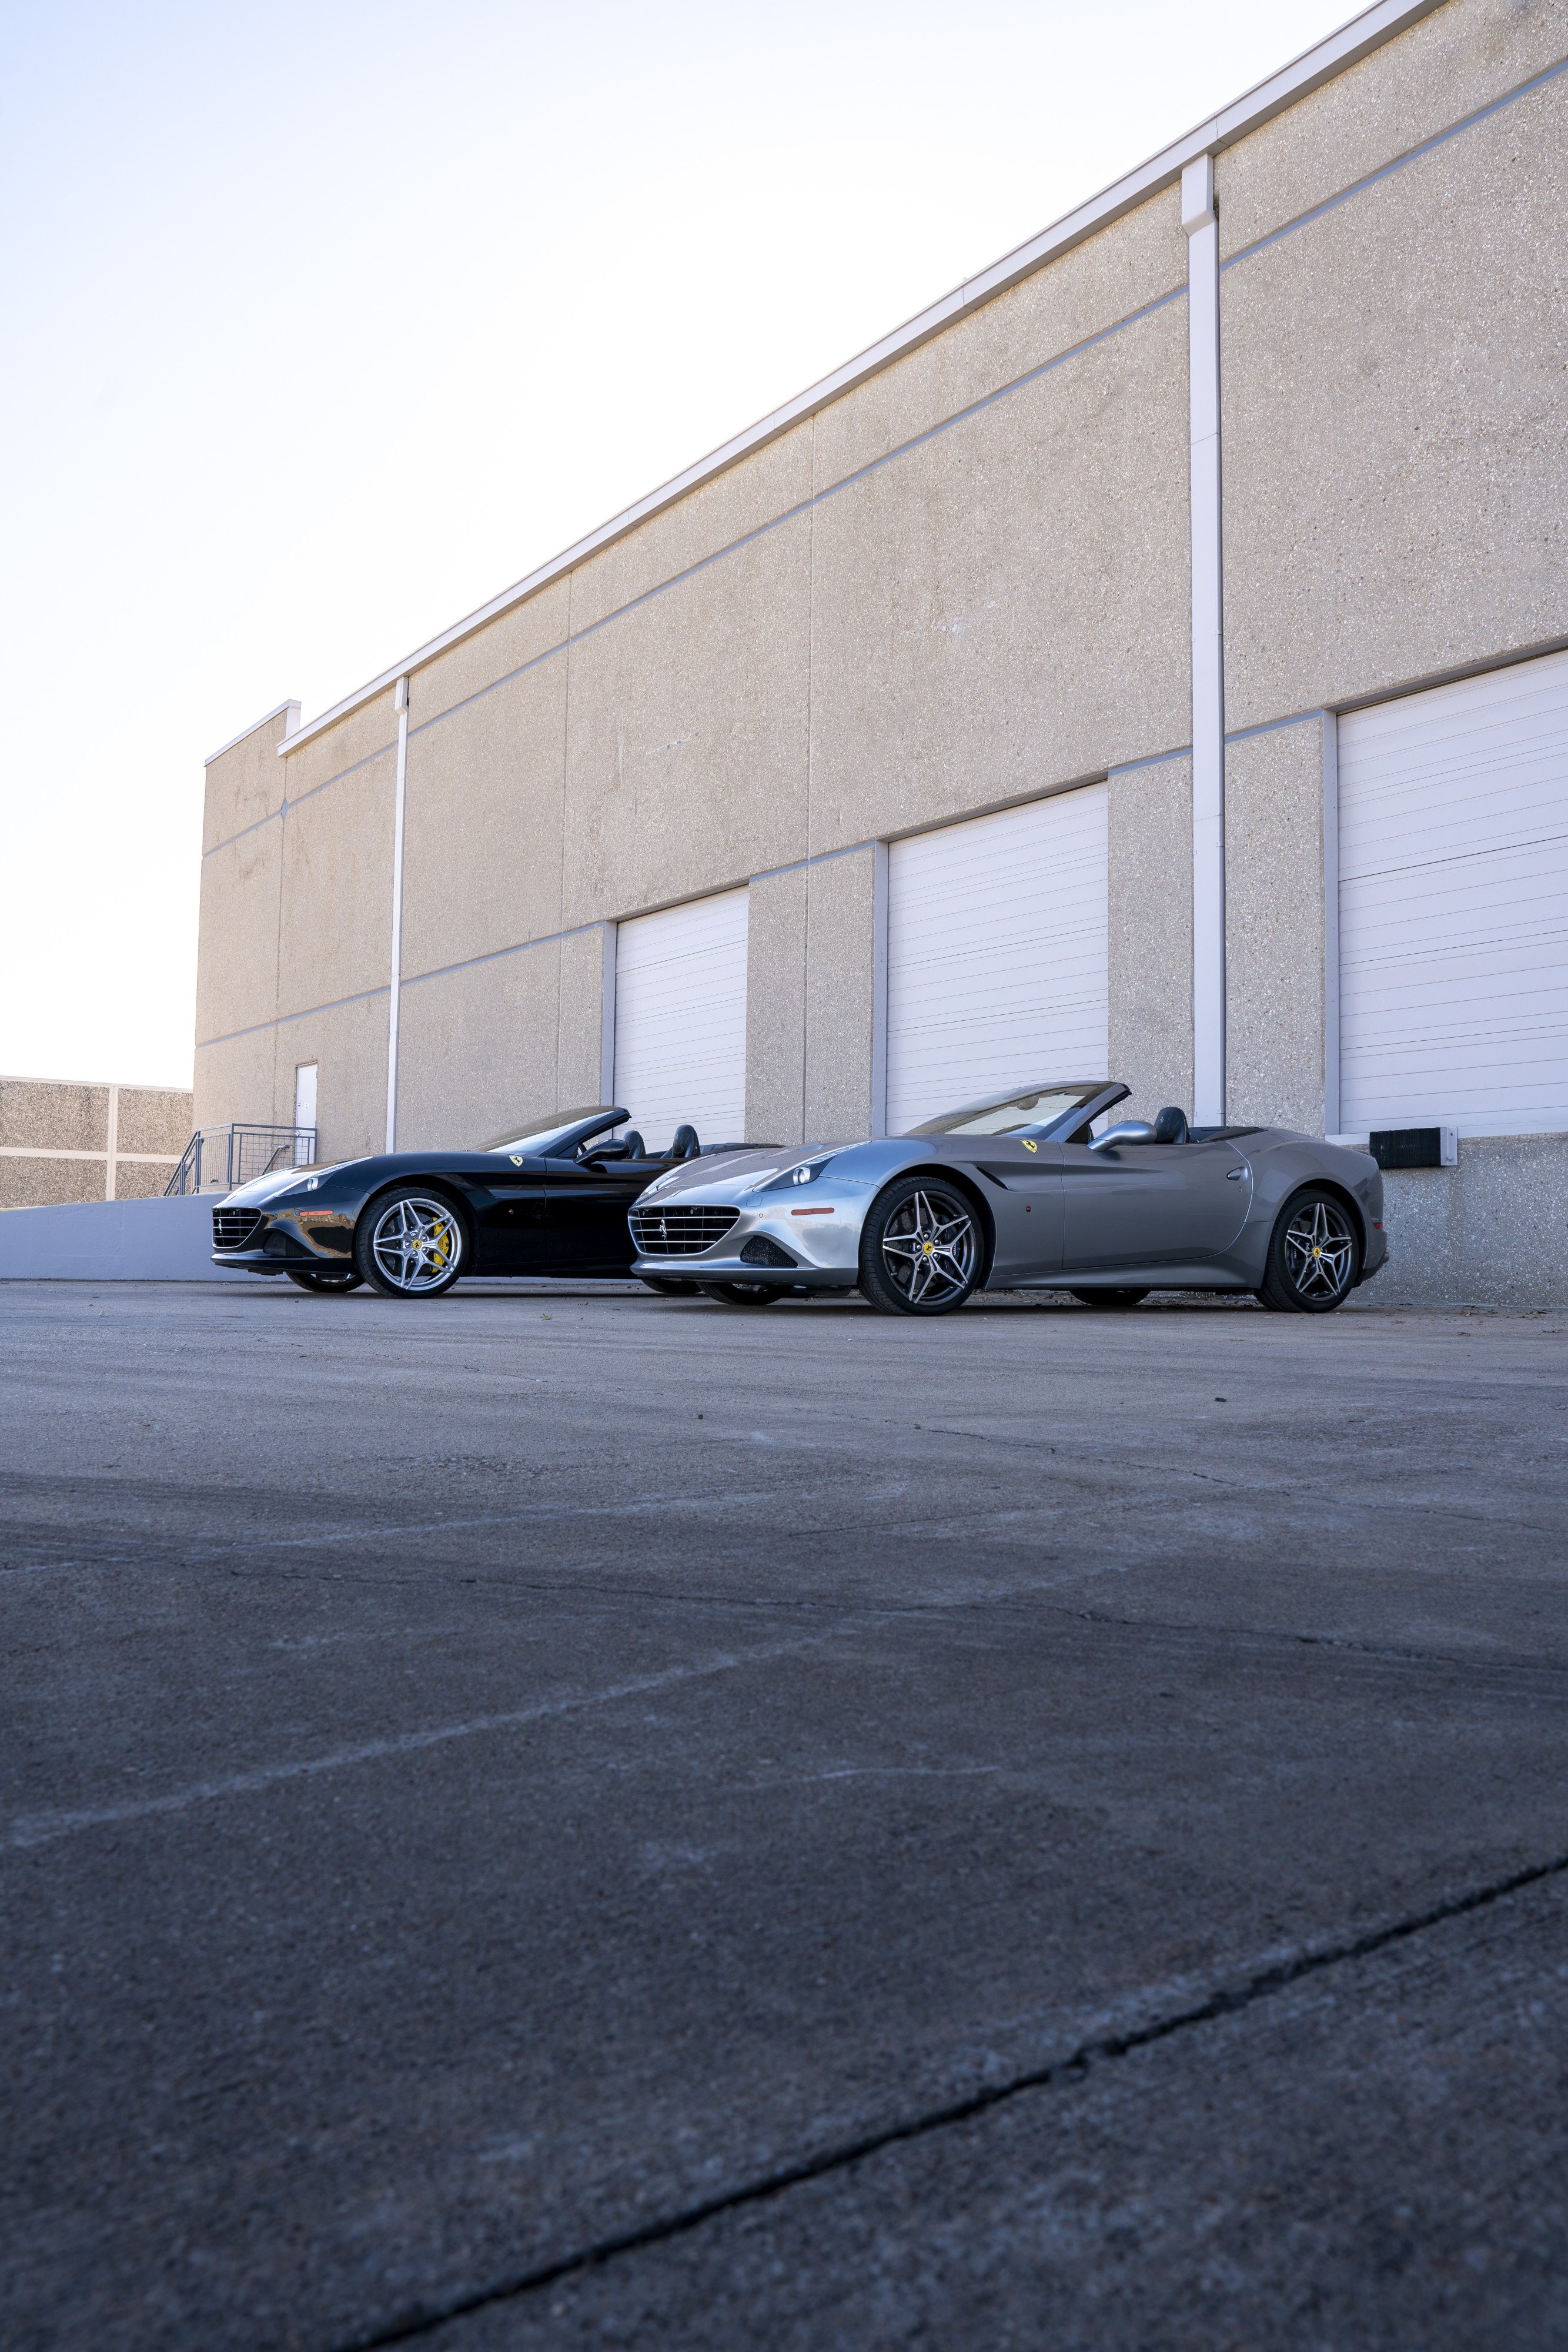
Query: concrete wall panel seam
(297,800)
(1154,760)
(272,816)
(280,1020)
(1309,72)
(1272,726)
(1412,155)
(848,481)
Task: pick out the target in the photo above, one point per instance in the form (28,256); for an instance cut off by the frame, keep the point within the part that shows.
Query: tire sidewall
(1279,1291)
(876,1286)
(370,1218)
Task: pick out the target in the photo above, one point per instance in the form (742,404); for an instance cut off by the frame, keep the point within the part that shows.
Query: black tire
(1110,1297)
(742,1294)
(310,1277)
(931,1227)
(416,1229)
(1314,1255)
(667,1289)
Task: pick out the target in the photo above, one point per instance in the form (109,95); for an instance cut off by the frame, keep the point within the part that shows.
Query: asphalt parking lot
(551,1818)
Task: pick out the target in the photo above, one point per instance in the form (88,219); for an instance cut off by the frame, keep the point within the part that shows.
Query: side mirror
(1130,1130)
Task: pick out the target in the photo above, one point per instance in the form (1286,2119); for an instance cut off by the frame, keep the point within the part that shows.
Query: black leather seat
(686,1145)
(635,1147)
(1170,1125)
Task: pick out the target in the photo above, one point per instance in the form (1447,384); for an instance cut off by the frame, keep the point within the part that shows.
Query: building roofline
(1257,106)
(282,710)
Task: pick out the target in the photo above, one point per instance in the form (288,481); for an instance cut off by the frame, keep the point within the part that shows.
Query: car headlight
(805,1172)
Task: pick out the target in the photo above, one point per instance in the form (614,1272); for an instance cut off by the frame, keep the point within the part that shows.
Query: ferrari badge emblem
(516,1158)
(1027,1144)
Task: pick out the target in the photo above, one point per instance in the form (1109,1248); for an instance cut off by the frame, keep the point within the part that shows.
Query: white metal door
(1453,906)
(680,1019)
(996,955)
(304,1108)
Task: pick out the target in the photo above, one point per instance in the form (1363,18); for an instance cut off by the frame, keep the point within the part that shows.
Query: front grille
(678,1232)
(233,1228)
(760,1251)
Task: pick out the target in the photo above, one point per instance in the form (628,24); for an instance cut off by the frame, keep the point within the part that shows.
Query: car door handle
(1234,1175)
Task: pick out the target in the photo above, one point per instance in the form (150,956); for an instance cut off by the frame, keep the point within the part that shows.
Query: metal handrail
(240,1151)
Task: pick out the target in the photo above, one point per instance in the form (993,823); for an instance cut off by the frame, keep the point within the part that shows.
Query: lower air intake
(233,1228)
(760,1251)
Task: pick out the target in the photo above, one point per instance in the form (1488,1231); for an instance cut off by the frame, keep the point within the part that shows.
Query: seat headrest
(1170,1125)
(686,1145)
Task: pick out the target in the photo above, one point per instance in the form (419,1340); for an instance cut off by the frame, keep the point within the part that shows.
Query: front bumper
(715,1268)
(820,1240)
(289,1238)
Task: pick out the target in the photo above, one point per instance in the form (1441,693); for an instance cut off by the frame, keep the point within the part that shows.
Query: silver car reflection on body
(1020,1195)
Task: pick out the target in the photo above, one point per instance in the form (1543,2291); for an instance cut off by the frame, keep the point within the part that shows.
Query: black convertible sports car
(551,1200)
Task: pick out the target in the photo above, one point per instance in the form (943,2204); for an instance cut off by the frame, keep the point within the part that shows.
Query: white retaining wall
(114,1240)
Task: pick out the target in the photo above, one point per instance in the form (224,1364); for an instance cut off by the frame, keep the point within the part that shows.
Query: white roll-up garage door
(680,1019)
(1453,906)
(996,955)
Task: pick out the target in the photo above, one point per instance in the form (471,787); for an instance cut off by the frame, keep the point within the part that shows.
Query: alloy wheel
(1320,1251)
(930,1248)
(417,1244)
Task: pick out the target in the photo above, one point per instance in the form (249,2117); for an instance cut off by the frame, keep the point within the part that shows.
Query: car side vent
(760,1251)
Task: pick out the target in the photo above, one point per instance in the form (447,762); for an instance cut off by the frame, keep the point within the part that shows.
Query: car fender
(444,1183)
(1282,1169)
(912,1163)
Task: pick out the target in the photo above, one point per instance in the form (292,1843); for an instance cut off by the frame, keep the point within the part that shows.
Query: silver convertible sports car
(1023,1195)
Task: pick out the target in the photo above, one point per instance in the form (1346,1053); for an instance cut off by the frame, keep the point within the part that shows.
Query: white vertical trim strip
(607,1016)
(111,1158)
(393,1006)
(879,989)
(1330,922)
(1202,226)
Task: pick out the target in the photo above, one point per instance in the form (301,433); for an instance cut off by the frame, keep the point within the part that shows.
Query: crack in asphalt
(1227,2000)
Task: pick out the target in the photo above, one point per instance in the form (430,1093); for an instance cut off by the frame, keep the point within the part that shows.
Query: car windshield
(537,1140)
(1018,1114)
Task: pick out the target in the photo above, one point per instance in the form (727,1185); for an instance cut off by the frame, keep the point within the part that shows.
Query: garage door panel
(1453,906)
(997,954)
(680,1019)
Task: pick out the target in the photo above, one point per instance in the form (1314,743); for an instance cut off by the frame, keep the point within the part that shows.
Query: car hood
(262,1189)
(729,1174)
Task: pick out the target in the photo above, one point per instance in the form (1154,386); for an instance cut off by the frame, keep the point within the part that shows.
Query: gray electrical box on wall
(1415,1147)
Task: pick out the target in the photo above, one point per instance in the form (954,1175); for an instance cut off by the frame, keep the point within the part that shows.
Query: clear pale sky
(326,322)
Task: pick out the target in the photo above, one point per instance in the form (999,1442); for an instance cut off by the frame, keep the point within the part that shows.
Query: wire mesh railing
(216,1159)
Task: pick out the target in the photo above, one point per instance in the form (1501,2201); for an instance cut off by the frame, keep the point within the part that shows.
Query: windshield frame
(559,1136)
(1090,1097)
